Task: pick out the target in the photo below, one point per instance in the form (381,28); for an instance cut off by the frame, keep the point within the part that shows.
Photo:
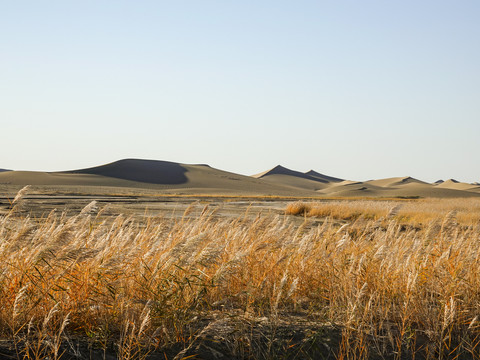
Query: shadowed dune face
(282,176)
(323,177)
(146,171)
(280,170)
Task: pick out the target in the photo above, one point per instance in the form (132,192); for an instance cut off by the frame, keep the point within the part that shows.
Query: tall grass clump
(250,287)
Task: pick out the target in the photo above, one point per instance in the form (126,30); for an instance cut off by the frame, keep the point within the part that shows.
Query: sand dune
(457,185)
(353,188)
(427,190)
(411,190)
(282,176)
(395,181)
(147,171)
(175,178)
(347,183)
(280,170)
(406,186)
(164,176)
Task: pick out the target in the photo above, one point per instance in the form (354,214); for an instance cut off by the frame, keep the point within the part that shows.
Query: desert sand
(457,185)
(166,177)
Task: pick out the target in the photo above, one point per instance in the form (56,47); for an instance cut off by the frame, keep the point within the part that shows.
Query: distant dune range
(175,178)
(163,176)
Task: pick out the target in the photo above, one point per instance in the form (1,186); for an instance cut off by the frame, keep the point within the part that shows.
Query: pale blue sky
(354,89)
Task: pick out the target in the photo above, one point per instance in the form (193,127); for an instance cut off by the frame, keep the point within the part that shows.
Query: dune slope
(457,185)
(327,178)
(395,181)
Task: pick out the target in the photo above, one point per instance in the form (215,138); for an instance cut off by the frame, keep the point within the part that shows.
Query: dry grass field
(414,212)
(339,280)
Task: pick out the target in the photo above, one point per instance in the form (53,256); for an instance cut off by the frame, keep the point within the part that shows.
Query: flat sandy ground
(114,201)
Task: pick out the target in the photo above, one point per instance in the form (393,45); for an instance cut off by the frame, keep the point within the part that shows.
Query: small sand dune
(280,170)
(395,181)
(283,176)
(394,188)
(353,188)
(457,185)
(295,182)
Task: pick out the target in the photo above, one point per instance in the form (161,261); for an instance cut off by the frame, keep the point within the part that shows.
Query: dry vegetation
(416,212)
(262,288)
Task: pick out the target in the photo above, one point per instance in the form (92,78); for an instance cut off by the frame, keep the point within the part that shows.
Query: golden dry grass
(136,285)
(410,211)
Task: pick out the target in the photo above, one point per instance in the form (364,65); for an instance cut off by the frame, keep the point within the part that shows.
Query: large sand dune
(146,171)
(175,178)
(163,176)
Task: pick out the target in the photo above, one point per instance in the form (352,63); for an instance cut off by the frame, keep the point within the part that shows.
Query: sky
(353,89)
